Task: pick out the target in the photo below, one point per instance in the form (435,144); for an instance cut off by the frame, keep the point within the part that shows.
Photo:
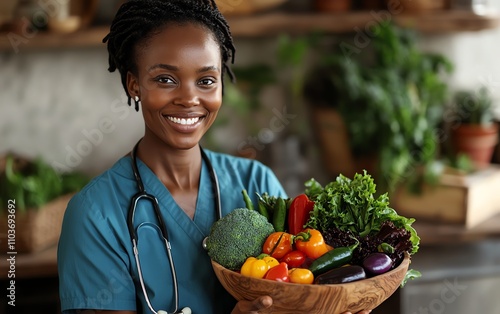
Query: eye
(207,82)
(164,80)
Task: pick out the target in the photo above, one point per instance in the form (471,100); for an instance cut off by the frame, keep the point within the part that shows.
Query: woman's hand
(262,303)
(253,307)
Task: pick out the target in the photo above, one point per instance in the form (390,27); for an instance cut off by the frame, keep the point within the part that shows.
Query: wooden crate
(465,200)
(36,229)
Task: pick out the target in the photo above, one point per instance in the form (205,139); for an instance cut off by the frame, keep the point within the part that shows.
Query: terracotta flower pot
(477,142)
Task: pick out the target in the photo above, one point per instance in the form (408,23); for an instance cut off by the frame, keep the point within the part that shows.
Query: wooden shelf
(91,37)
(438,22)
(274,23)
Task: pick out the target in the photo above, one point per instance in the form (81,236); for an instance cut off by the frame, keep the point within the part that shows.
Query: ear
(132,85)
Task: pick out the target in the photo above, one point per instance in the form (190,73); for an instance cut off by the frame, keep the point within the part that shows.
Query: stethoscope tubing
(142,194)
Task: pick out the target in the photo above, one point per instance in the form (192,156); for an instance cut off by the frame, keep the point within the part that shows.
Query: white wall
(476,59)
(66,107)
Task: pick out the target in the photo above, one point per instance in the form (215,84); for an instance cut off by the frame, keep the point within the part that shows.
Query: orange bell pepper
(278,244)
(311,242)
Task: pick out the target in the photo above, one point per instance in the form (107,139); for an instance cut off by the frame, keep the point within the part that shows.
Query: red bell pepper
(278,273)
(299,212)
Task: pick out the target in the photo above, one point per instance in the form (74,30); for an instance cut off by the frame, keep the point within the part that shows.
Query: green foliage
(36,184)
(241,99)
(391,96)
(352,205)
(237,236)
(411,274)
(473,108)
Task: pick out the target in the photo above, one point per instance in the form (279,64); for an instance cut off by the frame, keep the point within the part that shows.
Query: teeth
(184,121)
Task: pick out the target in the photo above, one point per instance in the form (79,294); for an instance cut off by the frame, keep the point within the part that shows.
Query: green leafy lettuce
(352,205)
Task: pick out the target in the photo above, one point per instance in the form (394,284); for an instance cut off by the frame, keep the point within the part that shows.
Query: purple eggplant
(342,274)
(377,263)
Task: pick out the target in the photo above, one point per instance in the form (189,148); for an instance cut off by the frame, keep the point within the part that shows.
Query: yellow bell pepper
(258,266)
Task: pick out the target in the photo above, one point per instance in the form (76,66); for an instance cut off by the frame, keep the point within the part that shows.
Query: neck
(178,170)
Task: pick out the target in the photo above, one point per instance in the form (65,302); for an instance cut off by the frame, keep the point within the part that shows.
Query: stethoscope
(142,194)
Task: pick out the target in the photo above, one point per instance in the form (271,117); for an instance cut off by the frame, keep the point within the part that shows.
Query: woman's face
(179,83)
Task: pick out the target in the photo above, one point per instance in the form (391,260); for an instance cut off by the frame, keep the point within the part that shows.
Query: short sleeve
(92,260)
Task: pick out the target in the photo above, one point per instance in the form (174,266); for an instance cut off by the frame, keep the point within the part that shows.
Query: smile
(184,121)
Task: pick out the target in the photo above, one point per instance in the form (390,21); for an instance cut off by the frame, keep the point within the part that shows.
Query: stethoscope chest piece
(185,310)
(204,243)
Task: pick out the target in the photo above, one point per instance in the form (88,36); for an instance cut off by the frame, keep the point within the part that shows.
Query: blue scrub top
(97,268)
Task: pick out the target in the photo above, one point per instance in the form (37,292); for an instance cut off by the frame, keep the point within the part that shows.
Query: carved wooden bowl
(355,296)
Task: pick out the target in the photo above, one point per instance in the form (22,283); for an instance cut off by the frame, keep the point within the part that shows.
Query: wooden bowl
(355,296)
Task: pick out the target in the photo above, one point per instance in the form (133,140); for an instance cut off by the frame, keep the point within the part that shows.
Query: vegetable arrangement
(334,234)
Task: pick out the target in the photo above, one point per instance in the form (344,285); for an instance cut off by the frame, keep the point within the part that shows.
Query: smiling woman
(125,232)
(181,81)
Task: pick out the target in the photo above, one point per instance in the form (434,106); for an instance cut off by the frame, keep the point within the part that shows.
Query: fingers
(362,312)
(263,303)
(253,307)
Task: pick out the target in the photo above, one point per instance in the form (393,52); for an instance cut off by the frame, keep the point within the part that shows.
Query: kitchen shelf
(274,23)
(437,22)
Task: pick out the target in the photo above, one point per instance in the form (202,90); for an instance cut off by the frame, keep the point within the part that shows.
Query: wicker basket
(35,229)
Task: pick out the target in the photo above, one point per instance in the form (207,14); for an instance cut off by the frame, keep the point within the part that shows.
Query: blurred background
(322,89)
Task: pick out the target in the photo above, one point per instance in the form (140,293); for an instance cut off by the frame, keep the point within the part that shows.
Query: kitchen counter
(439,234)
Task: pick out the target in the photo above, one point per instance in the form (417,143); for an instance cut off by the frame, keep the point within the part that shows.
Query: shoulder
(239,172)
(108,187)
(238,165)
(120,171)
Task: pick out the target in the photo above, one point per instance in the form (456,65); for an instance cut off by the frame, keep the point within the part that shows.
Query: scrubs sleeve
(92,260)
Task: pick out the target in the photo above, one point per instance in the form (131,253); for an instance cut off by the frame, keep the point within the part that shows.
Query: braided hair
(138,20)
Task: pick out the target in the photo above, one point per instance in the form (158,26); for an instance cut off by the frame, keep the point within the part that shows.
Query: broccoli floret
(237,236)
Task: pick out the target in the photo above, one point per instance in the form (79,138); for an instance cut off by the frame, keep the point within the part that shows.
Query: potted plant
(473,130)
(390,97)
(33,197)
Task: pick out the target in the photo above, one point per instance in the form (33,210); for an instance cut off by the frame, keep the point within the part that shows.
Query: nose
(187,96)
